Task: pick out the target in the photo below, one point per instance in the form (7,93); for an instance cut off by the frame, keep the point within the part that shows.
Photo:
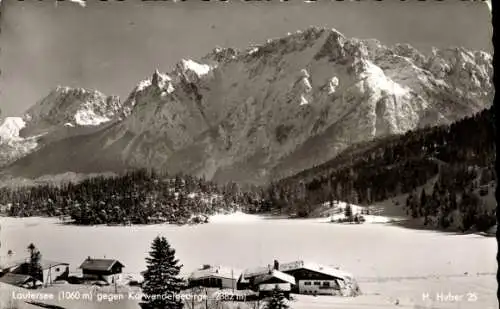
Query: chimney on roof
(276,265)
(88,258)
(269,271)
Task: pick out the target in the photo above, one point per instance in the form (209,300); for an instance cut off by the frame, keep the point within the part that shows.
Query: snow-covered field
(393,265)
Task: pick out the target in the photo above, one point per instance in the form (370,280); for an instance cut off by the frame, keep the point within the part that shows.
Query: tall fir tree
(277,300)
(423,199)
(161,282)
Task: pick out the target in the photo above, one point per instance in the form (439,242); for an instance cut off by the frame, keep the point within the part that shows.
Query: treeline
(460,155)
(136,197)
(459,158)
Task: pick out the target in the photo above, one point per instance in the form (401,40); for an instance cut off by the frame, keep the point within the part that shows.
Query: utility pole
(49,279)
(206,298)
(192,299)
(232,279)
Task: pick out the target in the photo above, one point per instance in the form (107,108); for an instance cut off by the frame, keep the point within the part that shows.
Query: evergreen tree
(161,282)
(277,300)
(348,212)
(423,199)
(34,266)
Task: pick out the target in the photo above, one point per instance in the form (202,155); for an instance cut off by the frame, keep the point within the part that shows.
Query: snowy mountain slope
(72,107)
(62,113)
(327,92)
(280,107)
(12,146)
(9,129)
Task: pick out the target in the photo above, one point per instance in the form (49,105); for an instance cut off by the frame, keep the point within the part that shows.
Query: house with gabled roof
(266,283)
(310,278)
(108,270)
(51,270)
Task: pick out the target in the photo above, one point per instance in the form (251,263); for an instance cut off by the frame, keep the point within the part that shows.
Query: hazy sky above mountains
(111,46)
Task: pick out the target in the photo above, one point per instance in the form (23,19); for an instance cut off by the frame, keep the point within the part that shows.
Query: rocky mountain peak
(285,105)
(79,106)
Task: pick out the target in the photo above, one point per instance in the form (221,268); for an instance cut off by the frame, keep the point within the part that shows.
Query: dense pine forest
(455,160)
(458,157)
(136,197)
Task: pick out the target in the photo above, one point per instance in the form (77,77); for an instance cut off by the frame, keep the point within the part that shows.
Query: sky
(111,46)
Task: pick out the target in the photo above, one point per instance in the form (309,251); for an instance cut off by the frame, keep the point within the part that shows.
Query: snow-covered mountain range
(261,113)
(64,112)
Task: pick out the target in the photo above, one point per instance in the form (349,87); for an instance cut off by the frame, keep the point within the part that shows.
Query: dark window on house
(307,283)
(326,283)
(317,283)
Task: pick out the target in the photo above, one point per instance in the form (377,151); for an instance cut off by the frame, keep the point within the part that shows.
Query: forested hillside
(137,197)
(461,155)
(458,158)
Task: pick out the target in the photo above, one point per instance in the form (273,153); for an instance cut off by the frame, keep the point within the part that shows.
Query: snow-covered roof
(15,279)
(257,271)
(291,266)
(215,271)
(45,264)
(99,264)
(327,270)
(275,274)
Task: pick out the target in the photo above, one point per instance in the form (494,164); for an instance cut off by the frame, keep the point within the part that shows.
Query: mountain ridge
(255,115)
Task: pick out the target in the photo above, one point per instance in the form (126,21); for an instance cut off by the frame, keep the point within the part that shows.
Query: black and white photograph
(247,155)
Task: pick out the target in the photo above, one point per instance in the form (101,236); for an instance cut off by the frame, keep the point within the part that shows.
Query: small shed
(108,270)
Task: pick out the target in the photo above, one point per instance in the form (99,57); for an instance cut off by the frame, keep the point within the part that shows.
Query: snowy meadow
(392,264)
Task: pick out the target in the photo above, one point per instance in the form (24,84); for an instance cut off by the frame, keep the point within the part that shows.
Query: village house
(317,279)
(108,270)
(52,271)
(265,279)
(215,277)
(310,278)
(19,280)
